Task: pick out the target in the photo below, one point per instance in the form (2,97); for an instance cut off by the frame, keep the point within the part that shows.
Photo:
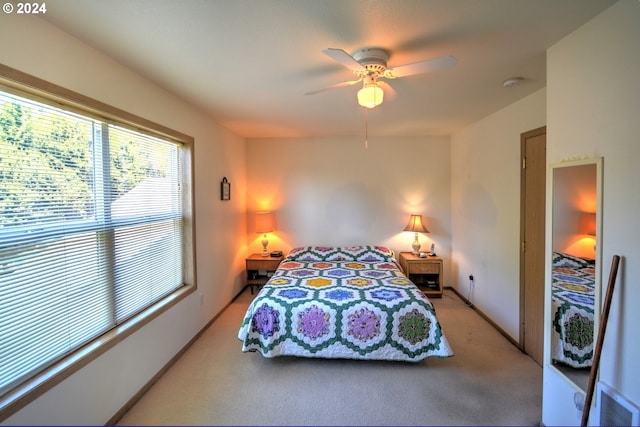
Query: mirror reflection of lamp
(264,224)
(588,225)
(415,224)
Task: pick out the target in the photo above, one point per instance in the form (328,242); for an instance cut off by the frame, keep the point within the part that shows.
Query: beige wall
(485,209)
(33,46)
(593,108)
(337,191)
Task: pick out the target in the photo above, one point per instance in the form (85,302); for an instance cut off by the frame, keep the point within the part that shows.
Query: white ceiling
(248,63)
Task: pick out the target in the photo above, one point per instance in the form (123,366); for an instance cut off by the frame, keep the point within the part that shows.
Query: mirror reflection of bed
(575,267)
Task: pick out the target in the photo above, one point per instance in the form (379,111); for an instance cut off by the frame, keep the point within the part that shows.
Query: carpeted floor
(487,382)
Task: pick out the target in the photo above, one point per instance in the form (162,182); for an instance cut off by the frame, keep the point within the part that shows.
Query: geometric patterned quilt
(352,303)
(572,295)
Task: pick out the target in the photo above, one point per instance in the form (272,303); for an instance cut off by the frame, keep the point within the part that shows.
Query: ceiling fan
(370,64)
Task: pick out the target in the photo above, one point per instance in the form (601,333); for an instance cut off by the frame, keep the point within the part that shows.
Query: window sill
(22,395)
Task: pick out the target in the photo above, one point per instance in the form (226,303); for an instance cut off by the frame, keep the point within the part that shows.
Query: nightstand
(426,273)
(260,269)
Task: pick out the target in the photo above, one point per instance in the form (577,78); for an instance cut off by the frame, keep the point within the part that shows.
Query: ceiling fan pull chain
(366,128)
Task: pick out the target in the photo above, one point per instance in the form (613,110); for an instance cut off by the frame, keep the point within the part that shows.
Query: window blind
(91,230)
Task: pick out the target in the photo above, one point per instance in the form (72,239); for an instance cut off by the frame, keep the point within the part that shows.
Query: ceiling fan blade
(389,92)
(335,86)
(344,58)
(436,64)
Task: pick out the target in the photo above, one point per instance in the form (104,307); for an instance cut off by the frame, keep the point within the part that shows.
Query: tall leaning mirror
(575,277)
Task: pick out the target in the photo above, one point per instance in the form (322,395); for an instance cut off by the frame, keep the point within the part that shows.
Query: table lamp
(264,224)
(415,224)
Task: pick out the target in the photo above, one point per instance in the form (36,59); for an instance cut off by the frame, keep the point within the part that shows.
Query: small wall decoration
(225,189)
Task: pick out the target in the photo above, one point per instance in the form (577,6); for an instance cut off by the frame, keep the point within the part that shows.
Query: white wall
(593,107)
(95,393)
(336,191)
(485,209)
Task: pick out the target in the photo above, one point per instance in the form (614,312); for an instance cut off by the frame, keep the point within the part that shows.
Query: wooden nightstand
(426,273)
(260,269)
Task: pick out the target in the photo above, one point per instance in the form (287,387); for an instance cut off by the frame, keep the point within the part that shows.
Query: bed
(572,296)
(342,302)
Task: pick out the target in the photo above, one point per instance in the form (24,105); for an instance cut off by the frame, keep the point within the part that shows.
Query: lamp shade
(264,222)
(415,224)
(370,95)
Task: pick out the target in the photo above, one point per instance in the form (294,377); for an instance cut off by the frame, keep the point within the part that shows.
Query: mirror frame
(598,162)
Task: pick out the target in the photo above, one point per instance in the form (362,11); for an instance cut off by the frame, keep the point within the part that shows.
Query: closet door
(532,236)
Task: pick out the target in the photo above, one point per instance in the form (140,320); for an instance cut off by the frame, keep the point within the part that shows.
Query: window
(94,229)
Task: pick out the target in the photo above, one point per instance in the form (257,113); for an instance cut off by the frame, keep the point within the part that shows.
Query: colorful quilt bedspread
(572,296)
(352,303)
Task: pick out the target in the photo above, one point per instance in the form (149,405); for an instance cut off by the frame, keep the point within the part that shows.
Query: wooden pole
(598,349)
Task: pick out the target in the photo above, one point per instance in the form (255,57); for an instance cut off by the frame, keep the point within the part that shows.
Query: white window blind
(91,231)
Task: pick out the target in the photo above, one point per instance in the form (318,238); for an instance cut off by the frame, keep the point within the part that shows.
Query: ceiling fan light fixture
(370,96)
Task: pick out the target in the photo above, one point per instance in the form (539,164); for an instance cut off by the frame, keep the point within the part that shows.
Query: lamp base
(265,243)
(416,246)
